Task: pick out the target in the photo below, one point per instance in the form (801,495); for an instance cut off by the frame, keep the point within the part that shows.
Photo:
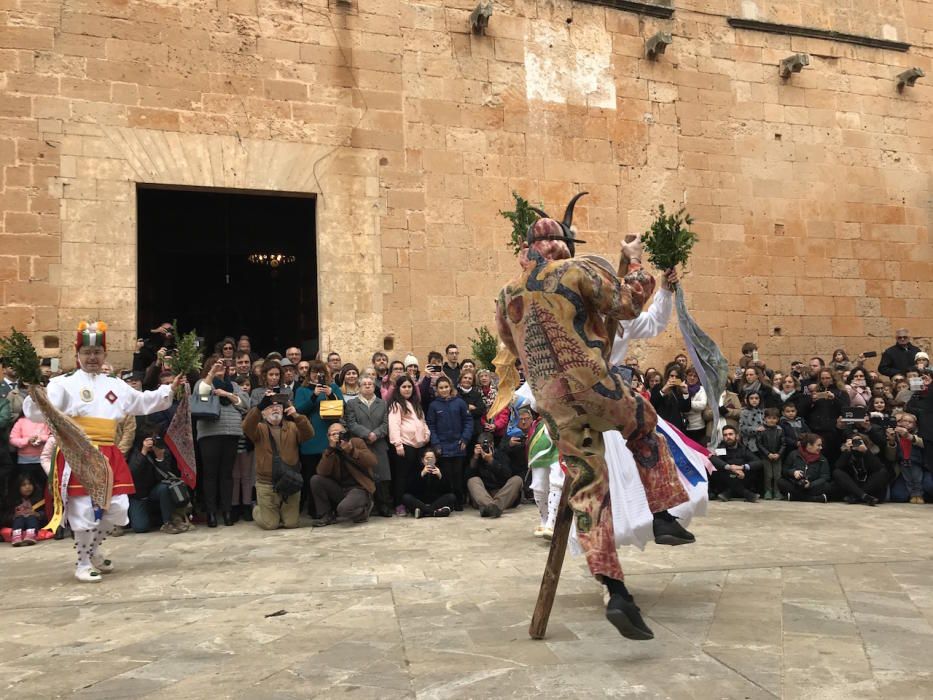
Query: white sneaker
(88,575)
(104,566)
(539,531)
(548,533)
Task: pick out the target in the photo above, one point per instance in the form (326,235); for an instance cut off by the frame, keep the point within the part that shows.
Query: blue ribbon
(683,463)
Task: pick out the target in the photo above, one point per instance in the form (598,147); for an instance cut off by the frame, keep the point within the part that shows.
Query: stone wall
(812,195)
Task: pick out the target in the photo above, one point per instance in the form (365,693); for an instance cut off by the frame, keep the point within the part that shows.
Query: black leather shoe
(626,617)
(211,520)
(668,531)
(228,519)
(247,513)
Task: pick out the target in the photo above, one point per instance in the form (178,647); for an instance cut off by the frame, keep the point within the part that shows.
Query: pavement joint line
(390,585)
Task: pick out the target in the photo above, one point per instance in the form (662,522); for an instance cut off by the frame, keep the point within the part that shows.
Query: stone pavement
(775,600)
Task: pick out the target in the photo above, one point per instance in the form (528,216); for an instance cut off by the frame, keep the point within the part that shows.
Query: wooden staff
(555,561)
(555,557)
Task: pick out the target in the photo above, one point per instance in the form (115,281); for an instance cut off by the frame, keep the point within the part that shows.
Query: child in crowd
(906,448)
(793,426)
(244,470)
(771,446)
(27,513)
(751,420)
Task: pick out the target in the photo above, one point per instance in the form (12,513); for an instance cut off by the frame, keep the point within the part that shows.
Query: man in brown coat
(271,420)
(344,479)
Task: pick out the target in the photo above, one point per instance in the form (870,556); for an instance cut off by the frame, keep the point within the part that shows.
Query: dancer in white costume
(633,522)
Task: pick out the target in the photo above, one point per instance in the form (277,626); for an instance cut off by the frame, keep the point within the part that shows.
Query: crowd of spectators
(339,442)
(814,431)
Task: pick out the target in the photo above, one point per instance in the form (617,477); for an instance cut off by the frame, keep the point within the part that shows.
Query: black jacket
(822,414)
(672,406)
(493,474)
(143,469)
(428,488)
(897,359)
(771,441)
(859,465)
(739,454)
(817,473)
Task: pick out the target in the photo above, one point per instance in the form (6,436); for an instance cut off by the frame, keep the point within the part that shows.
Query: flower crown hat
(91,335)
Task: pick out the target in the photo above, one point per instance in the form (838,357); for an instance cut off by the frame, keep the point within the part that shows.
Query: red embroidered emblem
(111,397)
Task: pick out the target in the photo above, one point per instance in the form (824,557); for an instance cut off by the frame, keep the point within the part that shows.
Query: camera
(486,448)
(858,442)
(885,421)
(344,436)
(157,441)
(916,384)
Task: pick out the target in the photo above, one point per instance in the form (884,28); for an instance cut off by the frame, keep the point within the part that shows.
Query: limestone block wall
(811,195)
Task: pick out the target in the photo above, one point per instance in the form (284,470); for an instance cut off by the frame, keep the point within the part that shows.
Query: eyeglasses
(228,347)
(903,337)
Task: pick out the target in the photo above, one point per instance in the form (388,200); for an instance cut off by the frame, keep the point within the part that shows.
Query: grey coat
(231,417)
(361,421)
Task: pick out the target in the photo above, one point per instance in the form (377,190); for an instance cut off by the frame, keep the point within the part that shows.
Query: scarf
(808,457)
(786,395)
(693,389)
(489,395)
(754,386)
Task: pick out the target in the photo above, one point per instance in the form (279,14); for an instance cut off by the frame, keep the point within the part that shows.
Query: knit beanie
(411,360)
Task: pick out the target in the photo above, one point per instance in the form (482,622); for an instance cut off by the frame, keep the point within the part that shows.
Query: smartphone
(870,353)
(434,368)
(54,364)
(281,399)
(755,355)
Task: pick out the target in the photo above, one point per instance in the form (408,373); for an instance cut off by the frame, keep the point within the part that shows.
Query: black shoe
(59,533)
(442,512)
(490,511)
(668,531)
(869,500)
(324,522)
(247,513)
(236,513)
(212,520)
(626,617)
(459,507)
(819,499)
(852,500)
(723,497)
(751,497)
(228,519)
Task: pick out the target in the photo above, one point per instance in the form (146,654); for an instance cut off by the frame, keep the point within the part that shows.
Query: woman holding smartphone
(318,387)
(217,440)
(671,397)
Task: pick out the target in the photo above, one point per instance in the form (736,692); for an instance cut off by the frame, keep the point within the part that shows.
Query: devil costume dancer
(97,403)
(559,317)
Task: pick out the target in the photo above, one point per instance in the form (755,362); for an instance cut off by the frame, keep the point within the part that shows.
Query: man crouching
(276,430)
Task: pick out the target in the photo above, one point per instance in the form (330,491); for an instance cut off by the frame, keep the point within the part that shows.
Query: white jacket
(648,324)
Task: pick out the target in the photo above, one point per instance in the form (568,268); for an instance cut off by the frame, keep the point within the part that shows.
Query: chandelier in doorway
(272,260)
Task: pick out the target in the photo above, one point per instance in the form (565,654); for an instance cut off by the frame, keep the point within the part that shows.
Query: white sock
(84,543)
(553,501)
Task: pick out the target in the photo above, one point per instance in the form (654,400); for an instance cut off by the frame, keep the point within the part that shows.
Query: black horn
(568,213)
(540,212)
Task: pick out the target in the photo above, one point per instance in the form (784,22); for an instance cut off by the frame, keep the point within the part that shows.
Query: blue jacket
(450,422)
(309,403)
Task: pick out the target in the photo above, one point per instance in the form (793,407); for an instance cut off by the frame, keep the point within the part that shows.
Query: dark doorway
(200,261)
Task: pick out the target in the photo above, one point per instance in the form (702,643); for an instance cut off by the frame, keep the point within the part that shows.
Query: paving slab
(775,600)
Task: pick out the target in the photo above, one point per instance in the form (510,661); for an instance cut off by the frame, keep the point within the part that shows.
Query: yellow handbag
(332,409)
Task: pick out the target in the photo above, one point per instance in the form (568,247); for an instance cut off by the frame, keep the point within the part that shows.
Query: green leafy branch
(485,347)
(521,217)
(669,241)
(19,354)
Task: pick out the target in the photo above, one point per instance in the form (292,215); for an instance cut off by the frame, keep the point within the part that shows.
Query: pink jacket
(25,430)
(407,429)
